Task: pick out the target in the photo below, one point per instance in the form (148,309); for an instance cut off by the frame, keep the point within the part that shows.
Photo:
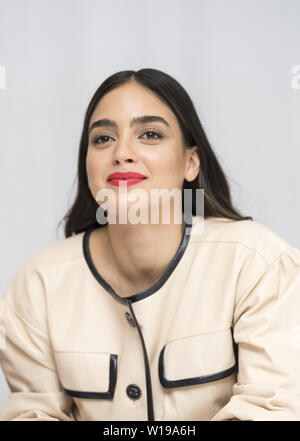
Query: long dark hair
(211,178)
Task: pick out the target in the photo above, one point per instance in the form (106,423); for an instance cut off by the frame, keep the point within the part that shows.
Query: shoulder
(28,278)
(65,250)
(253,236)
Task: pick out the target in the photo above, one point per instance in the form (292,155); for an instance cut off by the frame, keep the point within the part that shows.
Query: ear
(192,163)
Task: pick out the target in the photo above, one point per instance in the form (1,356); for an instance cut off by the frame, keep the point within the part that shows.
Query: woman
(148,321)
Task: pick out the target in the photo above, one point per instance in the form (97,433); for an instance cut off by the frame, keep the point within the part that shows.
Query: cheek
(169,170)
(89,168)
(93,172)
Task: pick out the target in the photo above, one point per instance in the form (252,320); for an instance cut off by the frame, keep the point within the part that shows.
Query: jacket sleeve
(267,330)
(25,355)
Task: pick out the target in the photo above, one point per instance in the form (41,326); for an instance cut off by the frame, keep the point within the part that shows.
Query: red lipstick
(130,178)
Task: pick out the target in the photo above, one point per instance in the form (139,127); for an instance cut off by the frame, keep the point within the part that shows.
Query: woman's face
(153,149)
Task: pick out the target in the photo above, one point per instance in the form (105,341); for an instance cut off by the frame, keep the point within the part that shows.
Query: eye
(95,140)
(103,139)
(153,132)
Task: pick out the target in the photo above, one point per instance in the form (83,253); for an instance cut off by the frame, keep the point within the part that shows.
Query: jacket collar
(143,294)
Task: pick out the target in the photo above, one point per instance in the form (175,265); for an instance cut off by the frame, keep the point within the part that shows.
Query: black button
(133,391)
(130,319)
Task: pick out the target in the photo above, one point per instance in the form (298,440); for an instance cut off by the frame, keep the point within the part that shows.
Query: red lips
(126,175)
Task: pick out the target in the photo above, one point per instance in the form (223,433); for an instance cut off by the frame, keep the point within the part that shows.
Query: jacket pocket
(198,359)
(90,375)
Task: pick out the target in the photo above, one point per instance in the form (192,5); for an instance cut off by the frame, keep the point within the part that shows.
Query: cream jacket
(216,338)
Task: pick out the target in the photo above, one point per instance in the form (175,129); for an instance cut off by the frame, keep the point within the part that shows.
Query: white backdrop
(238,59)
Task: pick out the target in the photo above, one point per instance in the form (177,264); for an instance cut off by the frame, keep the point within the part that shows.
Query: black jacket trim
(190,381)
(235,348)
(143,294)
(150,407)
(97,395)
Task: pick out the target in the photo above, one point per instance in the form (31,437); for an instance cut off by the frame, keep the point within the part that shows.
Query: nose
(120,160)
(123,153)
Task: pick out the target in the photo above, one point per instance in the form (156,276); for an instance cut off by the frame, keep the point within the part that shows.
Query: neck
(142,252)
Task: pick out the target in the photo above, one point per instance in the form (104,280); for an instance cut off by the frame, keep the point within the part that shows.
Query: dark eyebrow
(136,120)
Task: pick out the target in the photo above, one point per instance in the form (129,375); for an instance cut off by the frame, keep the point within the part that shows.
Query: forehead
(131,100)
